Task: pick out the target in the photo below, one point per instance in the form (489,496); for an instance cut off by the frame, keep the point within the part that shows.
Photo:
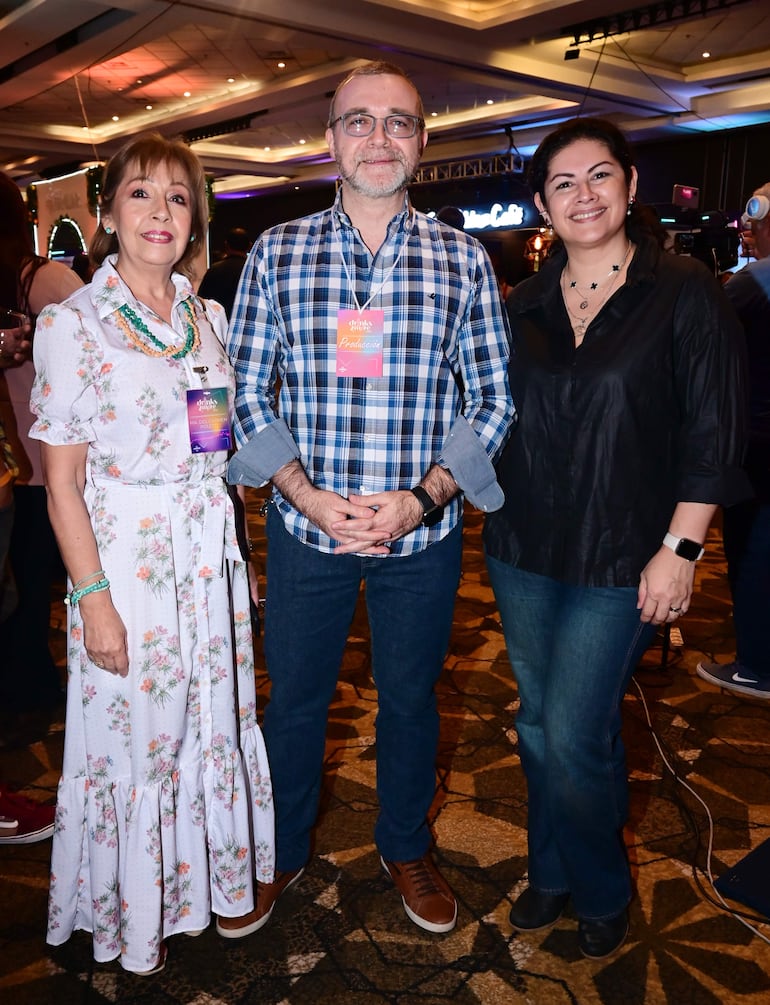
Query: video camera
(707,236)
(714,242)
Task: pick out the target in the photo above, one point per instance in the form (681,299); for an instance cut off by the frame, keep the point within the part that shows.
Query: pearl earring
(631,202)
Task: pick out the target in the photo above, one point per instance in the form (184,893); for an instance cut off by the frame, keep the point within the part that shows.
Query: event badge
(359,343)
(208,419)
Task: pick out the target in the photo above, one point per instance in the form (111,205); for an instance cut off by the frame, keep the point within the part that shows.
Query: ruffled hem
(135,864)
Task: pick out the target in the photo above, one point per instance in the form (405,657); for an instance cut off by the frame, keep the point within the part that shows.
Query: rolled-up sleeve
(252,344)
(479,434)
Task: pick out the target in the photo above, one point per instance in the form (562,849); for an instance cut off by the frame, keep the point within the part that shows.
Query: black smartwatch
(431,511)
(684,547)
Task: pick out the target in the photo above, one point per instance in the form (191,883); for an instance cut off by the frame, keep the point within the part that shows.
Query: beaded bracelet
(71,599)
(85,579)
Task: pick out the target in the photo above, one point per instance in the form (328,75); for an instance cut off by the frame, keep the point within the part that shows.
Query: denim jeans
(747,549)
(310,601)
(573,650)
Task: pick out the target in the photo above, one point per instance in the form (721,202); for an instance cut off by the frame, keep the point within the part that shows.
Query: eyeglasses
(399,127)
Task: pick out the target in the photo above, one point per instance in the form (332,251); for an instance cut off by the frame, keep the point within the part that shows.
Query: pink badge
(359,343)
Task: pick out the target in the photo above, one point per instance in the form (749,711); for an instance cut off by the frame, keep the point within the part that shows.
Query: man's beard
(378,189)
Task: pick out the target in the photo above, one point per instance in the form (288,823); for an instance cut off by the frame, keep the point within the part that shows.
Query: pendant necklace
(612,274)
(582,322)
(132,327)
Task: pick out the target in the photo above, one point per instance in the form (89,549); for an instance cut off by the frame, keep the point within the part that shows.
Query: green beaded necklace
(131,324)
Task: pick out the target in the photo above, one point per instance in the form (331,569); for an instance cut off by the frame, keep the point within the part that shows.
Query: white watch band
(684,547)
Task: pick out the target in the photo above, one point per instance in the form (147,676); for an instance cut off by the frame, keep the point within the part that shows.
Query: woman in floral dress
(164,809)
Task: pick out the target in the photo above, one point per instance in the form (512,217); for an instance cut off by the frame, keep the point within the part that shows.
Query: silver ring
(675,610)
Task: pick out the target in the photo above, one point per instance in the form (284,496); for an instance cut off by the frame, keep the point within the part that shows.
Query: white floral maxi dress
(164,810)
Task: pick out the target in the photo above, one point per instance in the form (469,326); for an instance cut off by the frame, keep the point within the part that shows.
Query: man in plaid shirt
(371,350)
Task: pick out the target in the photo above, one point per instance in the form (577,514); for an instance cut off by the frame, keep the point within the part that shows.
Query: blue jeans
(573,651)
(747,549)
(310,602)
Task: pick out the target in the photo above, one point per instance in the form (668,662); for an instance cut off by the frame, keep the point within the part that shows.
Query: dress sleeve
(69,364)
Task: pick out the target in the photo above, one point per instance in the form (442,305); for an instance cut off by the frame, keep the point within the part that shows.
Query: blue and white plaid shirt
(445,355)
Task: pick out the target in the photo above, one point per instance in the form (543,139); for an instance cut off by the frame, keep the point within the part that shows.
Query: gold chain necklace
(132,327)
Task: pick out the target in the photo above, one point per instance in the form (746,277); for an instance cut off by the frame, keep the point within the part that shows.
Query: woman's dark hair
(16,248)
(641,219)
(144,153)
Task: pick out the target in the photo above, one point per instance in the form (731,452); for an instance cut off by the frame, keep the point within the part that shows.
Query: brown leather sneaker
(267,896)
(425,894)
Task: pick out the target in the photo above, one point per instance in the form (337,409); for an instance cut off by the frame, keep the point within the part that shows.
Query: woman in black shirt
(627,370)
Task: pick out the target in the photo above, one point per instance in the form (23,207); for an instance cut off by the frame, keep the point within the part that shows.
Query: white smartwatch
(684,547)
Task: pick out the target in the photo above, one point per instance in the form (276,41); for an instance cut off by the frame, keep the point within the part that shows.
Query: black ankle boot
(534,910)
(600,939)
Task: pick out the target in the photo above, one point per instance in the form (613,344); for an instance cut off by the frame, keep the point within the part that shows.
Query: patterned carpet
(340,936)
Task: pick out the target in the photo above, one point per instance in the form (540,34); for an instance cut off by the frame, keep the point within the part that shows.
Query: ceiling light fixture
(222,128)
(650,16)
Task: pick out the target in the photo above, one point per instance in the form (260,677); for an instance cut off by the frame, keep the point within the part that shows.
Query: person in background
(453,216)
(22,820)
(746,526)
(30,682)
(81,266)
(221,280)
(629,371)
(371,317)
(164,809)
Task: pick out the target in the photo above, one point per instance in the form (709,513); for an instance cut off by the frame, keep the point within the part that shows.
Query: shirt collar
(109,292)
(343,220)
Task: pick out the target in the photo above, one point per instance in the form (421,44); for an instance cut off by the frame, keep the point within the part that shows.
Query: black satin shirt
(648,411)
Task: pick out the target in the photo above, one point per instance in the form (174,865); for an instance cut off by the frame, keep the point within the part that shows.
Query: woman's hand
(104,634)
(665,587)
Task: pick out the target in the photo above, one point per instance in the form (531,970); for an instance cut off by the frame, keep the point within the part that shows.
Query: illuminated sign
(495,218)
